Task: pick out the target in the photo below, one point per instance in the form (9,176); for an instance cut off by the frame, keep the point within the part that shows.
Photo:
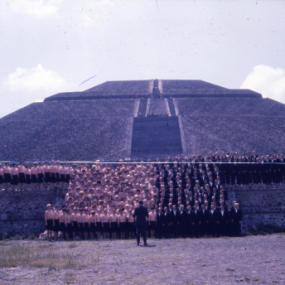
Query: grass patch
(21,254)
(73,245)
(69,277)
(11,236)
(5,243)
(46,246)
(262,229)
(230,269)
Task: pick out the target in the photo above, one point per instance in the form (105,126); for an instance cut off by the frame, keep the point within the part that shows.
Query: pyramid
(143,119)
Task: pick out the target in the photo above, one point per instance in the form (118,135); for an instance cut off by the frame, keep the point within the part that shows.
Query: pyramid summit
(143,119)
(147,88)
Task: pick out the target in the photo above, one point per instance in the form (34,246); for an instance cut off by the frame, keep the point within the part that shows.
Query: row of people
(234,168)
(38,176)
(225,169)
(169,222)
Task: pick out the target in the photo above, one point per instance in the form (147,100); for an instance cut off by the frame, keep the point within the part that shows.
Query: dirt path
(248,260)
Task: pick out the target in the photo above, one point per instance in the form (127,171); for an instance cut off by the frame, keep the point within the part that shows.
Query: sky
(52,46)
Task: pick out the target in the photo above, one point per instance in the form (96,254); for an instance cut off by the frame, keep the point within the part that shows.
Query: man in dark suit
(224,216)
(189,221)
(231,214)
(141,214)
(237,219)
(213,220)
(160,218)
(175,221)
(196,221)
(183,222)
(205,221)
(166,222)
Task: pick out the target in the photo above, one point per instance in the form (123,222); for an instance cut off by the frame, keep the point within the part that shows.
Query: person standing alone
(141,214)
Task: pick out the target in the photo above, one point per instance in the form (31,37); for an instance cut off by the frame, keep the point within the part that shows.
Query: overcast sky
(51,46)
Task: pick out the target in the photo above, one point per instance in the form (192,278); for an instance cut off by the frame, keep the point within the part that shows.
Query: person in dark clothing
(237,220)
(175,221)
(165,223)
(197,221)
(191,222)
(224,220)
(159,228)
(183,222)
(231,213)
(205,221)
(141,214)
(213,220)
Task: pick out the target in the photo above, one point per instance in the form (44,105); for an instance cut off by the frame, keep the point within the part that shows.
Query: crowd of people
(184,197)
(38,176)
(232,169)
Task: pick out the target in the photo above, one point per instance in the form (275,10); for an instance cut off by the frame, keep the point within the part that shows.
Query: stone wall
(265,206)
(23,212)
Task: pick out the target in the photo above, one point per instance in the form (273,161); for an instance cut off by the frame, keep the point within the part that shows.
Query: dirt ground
(245,260)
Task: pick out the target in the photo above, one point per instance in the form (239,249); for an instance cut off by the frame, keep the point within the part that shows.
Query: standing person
(40,177)
(1,176)
(74,223)
(196,221)
(183,222)
(47,176)
(85,219)
(213,220)
(28,175)
(190,221)
(7,175)
(231,213)
(80,223)
(152,221)
(57,174)
(122,221)
(141,214)
(105,221)
(98,223)
(22,169)
(176,221)
(15,176)
(62,223)
(34,177)
(53,169)
(237,219)
(62,172)
(68,225)
(49,221)
(159,220)
(68,172)
(92,224)
(205,221)
(224,220)
(114,224)
(56,216)
(131,223)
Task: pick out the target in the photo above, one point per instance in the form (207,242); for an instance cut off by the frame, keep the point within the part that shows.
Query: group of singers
(40,175)
(183,199)
(169,223)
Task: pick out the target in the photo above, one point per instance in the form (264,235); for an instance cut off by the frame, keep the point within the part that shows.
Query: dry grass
(250,260)
(34,255)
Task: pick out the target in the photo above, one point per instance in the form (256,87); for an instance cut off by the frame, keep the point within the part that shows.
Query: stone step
(142,107)
(156,137)
(171,107)
(157,107)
